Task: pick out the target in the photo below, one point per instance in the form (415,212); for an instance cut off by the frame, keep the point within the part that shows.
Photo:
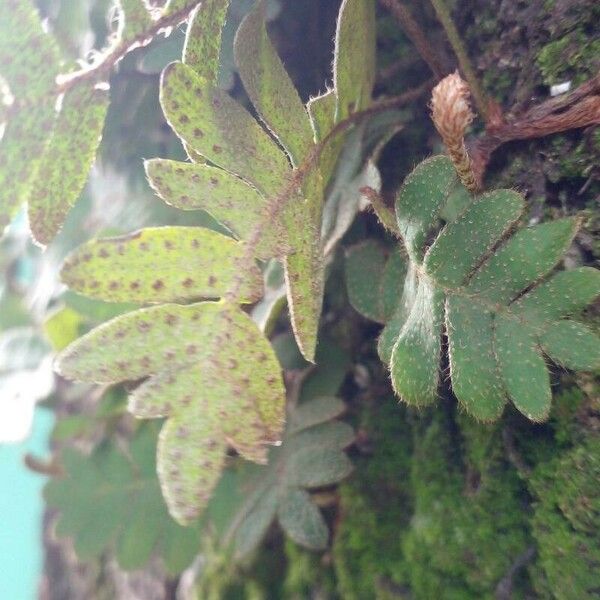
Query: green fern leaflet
(489,285)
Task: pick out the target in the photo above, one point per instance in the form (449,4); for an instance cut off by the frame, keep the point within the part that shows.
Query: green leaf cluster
(50,136)
(122,473)
(488,284)
(206,365)
(208,369)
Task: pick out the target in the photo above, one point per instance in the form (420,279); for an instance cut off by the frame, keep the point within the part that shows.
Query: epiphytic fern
(270,198)
(489,285)
(209,369)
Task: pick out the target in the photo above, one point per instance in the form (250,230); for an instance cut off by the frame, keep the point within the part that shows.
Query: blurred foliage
(111,501)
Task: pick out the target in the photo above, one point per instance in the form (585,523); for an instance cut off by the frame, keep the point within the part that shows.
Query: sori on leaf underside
(206,366)
(53,109)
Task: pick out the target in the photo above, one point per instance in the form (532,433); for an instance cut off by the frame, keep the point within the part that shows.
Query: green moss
(470,520)
(564,414)
(259,579)
(571,56)
(219,580)
(375,506)
(566,158)
(570,48)
(566,523)
(539,444)
(308,575)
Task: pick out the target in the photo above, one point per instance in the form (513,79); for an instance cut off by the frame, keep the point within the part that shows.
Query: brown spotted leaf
(29,63)
(189,459)
(279,106)
(270,88)
(21,148)
(160,264)
(227,198)
(29,56)
(135,19)
(305,266)
(143,342)
(67,159)
(203,38)
(221,130)
(32,72)
(211,373)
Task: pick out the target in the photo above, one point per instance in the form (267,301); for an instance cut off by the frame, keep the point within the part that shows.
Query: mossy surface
(308,574)
(258,579)
(441,515)
(566,522)
(574,50)
(375,508)
(470,519)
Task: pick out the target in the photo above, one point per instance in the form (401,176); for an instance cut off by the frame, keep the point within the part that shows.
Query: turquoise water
(21,510)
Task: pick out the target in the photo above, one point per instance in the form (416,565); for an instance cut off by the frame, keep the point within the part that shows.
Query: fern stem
(114,54)
(278,202)
(415,35)
(49,468)
(444,17)
(386,215)
(463,165)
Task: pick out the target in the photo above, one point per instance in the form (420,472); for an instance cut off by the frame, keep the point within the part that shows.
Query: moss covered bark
(441,506)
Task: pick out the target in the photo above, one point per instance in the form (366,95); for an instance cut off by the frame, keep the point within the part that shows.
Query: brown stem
(49,468)
(504,589)
(402,64)
(464,166)
(580,108)
(416,35)
(115,54)
(512,453)
(393,101)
